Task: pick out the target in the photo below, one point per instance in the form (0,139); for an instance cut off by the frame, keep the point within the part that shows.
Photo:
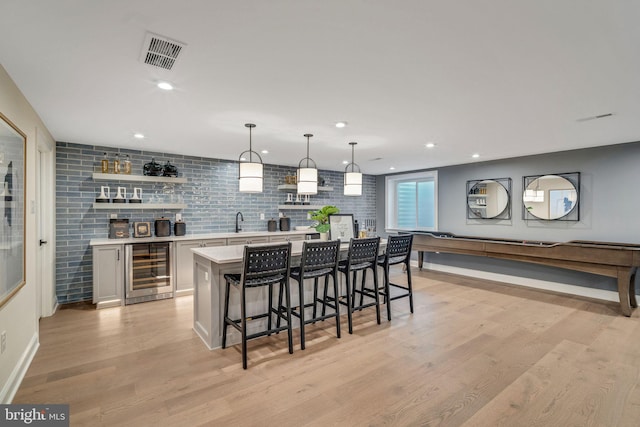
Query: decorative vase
(324,236)
(121,196)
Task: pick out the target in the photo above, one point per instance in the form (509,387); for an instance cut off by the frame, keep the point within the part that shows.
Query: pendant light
(307,176)
(352,176)
(250,172)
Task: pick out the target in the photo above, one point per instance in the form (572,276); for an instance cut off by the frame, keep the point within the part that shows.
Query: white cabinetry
(247,240)
(288,238)
(184,262)
(108,275)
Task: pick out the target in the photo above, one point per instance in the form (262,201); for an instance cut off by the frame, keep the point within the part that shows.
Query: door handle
(43,242)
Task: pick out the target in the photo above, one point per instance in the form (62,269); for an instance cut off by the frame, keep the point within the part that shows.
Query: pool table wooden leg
(625,276)
(632,288)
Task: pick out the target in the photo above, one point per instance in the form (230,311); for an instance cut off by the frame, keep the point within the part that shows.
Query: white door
(45,211)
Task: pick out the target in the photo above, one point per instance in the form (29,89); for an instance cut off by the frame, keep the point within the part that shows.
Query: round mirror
(550,197)
(488,199)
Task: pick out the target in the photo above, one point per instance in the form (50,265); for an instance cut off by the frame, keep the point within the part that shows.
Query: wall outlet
(261,216)
(113,216)
(3,341)
(178,217)
(308,215)
(280,214)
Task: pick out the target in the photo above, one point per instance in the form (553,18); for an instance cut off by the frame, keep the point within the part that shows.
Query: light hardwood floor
(474,353)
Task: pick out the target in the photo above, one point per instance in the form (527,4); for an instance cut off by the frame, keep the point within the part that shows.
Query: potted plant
(322,218)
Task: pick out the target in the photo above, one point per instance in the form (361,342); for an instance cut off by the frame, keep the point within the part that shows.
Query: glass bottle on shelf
(126,165)
(116,164)
(104,164)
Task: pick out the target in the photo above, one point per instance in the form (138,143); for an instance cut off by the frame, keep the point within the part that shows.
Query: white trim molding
(565,288)
(15,379)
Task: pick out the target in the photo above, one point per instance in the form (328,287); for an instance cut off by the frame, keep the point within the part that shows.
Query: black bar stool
(319,259)
(363,255)
(261,266)
(398,252)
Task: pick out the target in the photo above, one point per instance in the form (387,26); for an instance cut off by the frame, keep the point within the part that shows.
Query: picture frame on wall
(341,227)
(12,207)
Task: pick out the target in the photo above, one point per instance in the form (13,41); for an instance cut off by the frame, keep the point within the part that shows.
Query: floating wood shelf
(138,178)
(139,206)
(300,207)
(293,187)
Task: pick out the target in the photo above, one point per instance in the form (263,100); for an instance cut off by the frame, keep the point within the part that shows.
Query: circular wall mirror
(550,197)
(488,199)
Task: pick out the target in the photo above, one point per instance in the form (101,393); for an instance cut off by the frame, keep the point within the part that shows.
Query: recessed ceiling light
(341,124)
(265,151)
(138,135)
(165,86)
(392,168)
(430,145)
(345,162)
(475,156)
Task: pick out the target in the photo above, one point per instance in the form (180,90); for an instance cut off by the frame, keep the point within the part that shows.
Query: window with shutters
(412,201)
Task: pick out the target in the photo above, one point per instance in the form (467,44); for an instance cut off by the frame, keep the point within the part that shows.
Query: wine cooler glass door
(149,274)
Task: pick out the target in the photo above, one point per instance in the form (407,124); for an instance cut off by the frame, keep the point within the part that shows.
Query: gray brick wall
(211,195)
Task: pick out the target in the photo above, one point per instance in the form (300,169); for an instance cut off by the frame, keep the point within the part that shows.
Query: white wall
(19,316)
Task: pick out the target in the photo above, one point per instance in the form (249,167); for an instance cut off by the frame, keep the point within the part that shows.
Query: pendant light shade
(352,176)
(307,175)
(250,168)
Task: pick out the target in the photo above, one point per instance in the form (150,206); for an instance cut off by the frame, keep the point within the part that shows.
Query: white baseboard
(15,379)
(183,292)
(525,281)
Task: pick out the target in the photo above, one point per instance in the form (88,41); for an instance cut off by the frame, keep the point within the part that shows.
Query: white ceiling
(501,78)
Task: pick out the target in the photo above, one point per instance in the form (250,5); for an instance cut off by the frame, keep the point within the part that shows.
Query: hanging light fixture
(250,172)
(352,176)
(307,176)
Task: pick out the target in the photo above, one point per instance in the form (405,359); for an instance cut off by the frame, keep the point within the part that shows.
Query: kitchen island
(209,267)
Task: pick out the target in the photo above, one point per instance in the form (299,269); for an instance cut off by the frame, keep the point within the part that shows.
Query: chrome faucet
(238,228)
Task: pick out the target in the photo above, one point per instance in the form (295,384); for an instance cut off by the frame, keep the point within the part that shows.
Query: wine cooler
(149,274)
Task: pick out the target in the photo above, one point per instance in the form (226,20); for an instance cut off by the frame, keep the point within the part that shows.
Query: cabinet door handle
(118,258)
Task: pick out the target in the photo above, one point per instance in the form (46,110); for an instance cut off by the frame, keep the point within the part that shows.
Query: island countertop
(234,253)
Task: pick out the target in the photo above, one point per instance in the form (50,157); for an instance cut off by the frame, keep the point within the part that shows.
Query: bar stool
(398,252)
(319,259)
(363,255)
(261,266)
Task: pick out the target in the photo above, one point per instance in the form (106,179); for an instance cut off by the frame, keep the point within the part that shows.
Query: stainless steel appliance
(148,274)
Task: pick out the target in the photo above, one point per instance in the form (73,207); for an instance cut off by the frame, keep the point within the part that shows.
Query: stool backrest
(320,255)
(363,250)
(399,246)
(263,261)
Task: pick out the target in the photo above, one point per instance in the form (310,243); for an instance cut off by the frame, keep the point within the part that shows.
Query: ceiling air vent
(161,52)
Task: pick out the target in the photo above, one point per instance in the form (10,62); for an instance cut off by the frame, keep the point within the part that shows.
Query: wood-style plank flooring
(474,353)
